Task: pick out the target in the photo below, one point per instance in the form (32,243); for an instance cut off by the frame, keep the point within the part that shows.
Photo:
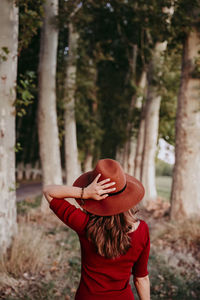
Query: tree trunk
(133,143)
(71,150)
(8,74)
(88,162)
(150,144)
(126,154)
(47,116)
(185,197)
(151,126)
(140,146)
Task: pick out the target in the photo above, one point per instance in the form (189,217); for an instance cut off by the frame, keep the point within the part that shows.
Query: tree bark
(151,126)
(127,152)
(140,104)
(88,162)
(133,143)
(71,149)
(185,196)
(47,115)
(8,74)
(140,146)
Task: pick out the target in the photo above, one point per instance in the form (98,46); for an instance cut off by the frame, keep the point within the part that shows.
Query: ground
(44,261)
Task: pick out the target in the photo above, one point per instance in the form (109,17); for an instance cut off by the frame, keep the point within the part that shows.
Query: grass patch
(167,283)
(163,185)
(28,254)
(24,206)
(44,261)
(185,233)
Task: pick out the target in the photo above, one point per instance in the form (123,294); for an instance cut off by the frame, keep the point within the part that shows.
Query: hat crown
(109,168)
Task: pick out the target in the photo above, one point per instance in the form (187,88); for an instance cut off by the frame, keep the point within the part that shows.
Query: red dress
(103,278)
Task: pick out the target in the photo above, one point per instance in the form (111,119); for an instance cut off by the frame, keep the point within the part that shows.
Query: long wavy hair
(110,234)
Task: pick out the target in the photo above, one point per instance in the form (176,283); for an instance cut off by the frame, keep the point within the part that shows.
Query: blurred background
(85,80)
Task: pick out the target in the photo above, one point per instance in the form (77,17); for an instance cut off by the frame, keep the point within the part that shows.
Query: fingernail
(113,182)
(114,189)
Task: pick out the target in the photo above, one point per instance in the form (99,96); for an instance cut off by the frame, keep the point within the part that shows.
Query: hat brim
(115,204)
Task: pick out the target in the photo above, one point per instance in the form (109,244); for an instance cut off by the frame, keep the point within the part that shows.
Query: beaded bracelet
(81,199)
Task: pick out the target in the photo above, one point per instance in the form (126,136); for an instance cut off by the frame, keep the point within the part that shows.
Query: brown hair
(110,234)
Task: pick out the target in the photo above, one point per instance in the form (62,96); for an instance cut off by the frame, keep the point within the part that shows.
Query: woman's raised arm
(96,190)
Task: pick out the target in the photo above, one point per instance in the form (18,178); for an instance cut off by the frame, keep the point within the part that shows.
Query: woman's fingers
(103,181)
(107,185)
(106,191)
(97,178)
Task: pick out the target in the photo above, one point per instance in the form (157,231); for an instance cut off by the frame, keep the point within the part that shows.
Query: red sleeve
(140,267)
(69,214)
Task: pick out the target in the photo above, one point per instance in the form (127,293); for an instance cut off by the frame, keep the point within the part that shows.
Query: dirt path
(28,190)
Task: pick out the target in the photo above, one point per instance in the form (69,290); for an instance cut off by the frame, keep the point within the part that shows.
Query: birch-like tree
(71,149)
(151,125)
(47,116)
(8,73)
(137,165)
(185,197)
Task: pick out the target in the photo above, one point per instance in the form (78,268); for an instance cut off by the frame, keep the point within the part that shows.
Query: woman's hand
(98,190)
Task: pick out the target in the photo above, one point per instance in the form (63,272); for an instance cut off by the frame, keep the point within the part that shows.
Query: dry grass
(187,231)
(28,254)
(44,261)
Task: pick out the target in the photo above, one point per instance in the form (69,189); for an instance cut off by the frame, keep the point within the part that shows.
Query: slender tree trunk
(120,155)
(150,145)
(132,153)
(133,143)
(125,155)
(8,74)
(140,145)
(71,150)
(47,116)
(151,126)
(88,162)
(185,197)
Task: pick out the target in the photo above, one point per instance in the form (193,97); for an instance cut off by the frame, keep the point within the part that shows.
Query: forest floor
(44,261)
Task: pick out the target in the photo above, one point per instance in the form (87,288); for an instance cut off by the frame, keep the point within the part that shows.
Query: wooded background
(84,80)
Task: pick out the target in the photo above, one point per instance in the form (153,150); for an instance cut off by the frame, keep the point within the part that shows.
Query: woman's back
(103,278)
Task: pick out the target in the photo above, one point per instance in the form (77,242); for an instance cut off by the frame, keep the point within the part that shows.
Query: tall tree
(140,103)
(151,123)
(47,116)
(71,149)
(185,197)
(8,74)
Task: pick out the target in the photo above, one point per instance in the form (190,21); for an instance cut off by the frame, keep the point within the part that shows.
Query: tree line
(82,80)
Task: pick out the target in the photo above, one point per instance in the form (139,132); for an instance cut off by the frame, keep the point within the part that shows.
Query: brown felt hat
(129,191)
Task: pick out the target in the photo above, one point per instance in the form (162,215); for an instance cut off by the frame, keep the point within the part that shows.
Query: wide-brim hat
(129,191)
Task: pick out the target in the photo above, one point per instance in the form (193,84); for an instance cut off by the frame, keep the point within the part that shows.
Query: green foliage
(18,147)
(30,20)
(163,168)
(108,31)
(163,185)
(25,89)
(169,87)
(23,207)
(186,15)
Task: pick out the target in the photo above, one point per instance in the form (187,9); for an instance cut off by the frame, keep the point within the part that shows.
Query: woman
(114,244)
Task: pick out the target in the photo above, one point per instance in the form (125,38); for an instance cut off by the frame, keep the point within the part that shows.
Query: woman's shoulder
(143,223)
(143,227)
